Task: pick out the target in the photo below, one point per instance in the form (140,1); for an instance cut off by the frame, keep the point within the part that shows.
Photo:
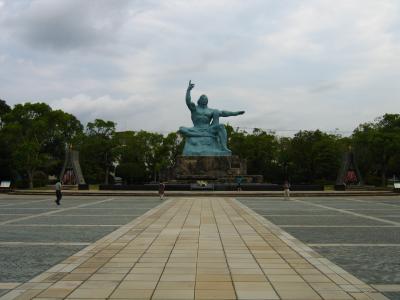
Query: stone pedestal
(208,167)
(212,168)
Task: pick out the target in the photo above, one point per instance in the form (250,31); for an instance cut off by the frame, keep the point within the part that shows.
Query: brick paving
(196,248)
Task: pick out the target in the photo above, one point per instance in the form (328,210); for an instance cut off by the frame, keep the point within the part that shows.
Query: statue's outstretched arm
(226,113)
(189,102)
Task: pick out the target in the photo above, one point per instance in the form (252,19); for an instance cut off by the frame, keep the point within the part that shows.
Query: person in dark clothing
(239,183)
(161,189)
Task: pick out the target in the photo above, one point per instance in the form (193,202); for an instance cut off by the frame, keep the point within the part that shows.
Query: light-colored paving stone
(8,285)
(196,248)
(387,287)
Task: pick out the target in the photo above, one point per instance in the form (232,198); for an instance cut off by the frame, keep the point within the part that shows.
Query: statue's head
(203,101)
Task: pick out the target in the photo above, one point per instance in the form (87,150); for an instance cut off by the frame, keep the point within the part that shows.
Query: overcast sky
(290,65)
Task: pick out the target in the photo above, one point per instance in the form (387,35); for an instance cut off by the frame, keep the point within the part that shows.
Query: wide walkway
(196,248)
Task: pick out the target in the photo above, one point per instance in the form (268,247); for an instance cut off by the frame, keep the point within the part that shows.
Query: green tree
(65,132)
(314,156)
(260,149)
(377,145)
(145,154)
(5,149)
(166,153)
(283,159)
(133,163)
(99,150)
(34,132)
(4,108)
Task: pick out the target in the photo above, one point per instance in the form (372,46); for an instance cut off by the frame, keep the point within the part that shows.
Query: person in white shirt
(58,192)
(161,190)
(286,190)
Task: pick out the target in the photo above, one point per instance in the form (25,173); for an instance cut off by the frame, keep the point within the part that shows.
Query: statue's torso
(202,117)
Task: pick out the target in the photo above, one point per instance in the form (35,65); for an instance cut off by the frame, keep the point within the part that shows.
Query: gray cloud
(66,25)
(289,64)
(323,87)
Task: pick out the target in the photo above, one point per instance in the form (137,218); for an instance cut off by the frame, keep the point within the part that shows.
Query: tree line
(33,139)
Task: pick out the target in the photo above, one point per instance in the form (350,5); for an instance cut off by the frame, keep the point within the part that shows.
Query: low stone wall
(215,187)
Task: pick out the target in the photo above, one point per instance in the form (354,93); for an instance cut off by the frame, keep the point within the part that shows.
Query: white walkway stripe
(386,287)
(25,202)
(373,202)
(348,212)
(337,226)
(43,244)
(63,225)
(353,245)
(48,213)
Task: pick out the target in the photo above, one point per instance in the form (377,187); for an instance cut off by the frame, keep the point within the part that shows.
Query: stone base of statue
(212,168)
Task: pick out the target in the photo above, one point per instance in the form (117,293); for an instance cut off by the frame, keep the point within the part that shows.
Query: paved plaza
(199,248)
(360,234)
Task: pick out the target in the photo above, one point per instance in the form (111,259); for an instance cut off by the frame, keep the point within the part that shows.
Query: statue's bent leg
(222,135)
(194,132)
(224,138)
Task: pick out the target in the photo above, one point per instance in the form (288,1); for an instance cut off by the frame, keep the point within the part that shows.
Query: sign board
(397,185)
(203,187)
(5,184)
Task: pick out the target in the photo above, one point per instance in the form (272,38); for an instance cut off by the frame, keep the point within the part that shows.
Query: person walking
(239,183)
(58,186)
(286,190)
(161,190)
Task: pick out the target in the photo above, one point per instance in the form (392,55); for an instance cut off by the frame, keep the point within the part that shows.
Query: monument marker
(349,173)
(71,173)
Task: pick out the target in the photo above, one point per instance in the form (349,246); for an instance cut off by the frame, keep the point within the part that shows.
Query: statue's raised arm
(189,102)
